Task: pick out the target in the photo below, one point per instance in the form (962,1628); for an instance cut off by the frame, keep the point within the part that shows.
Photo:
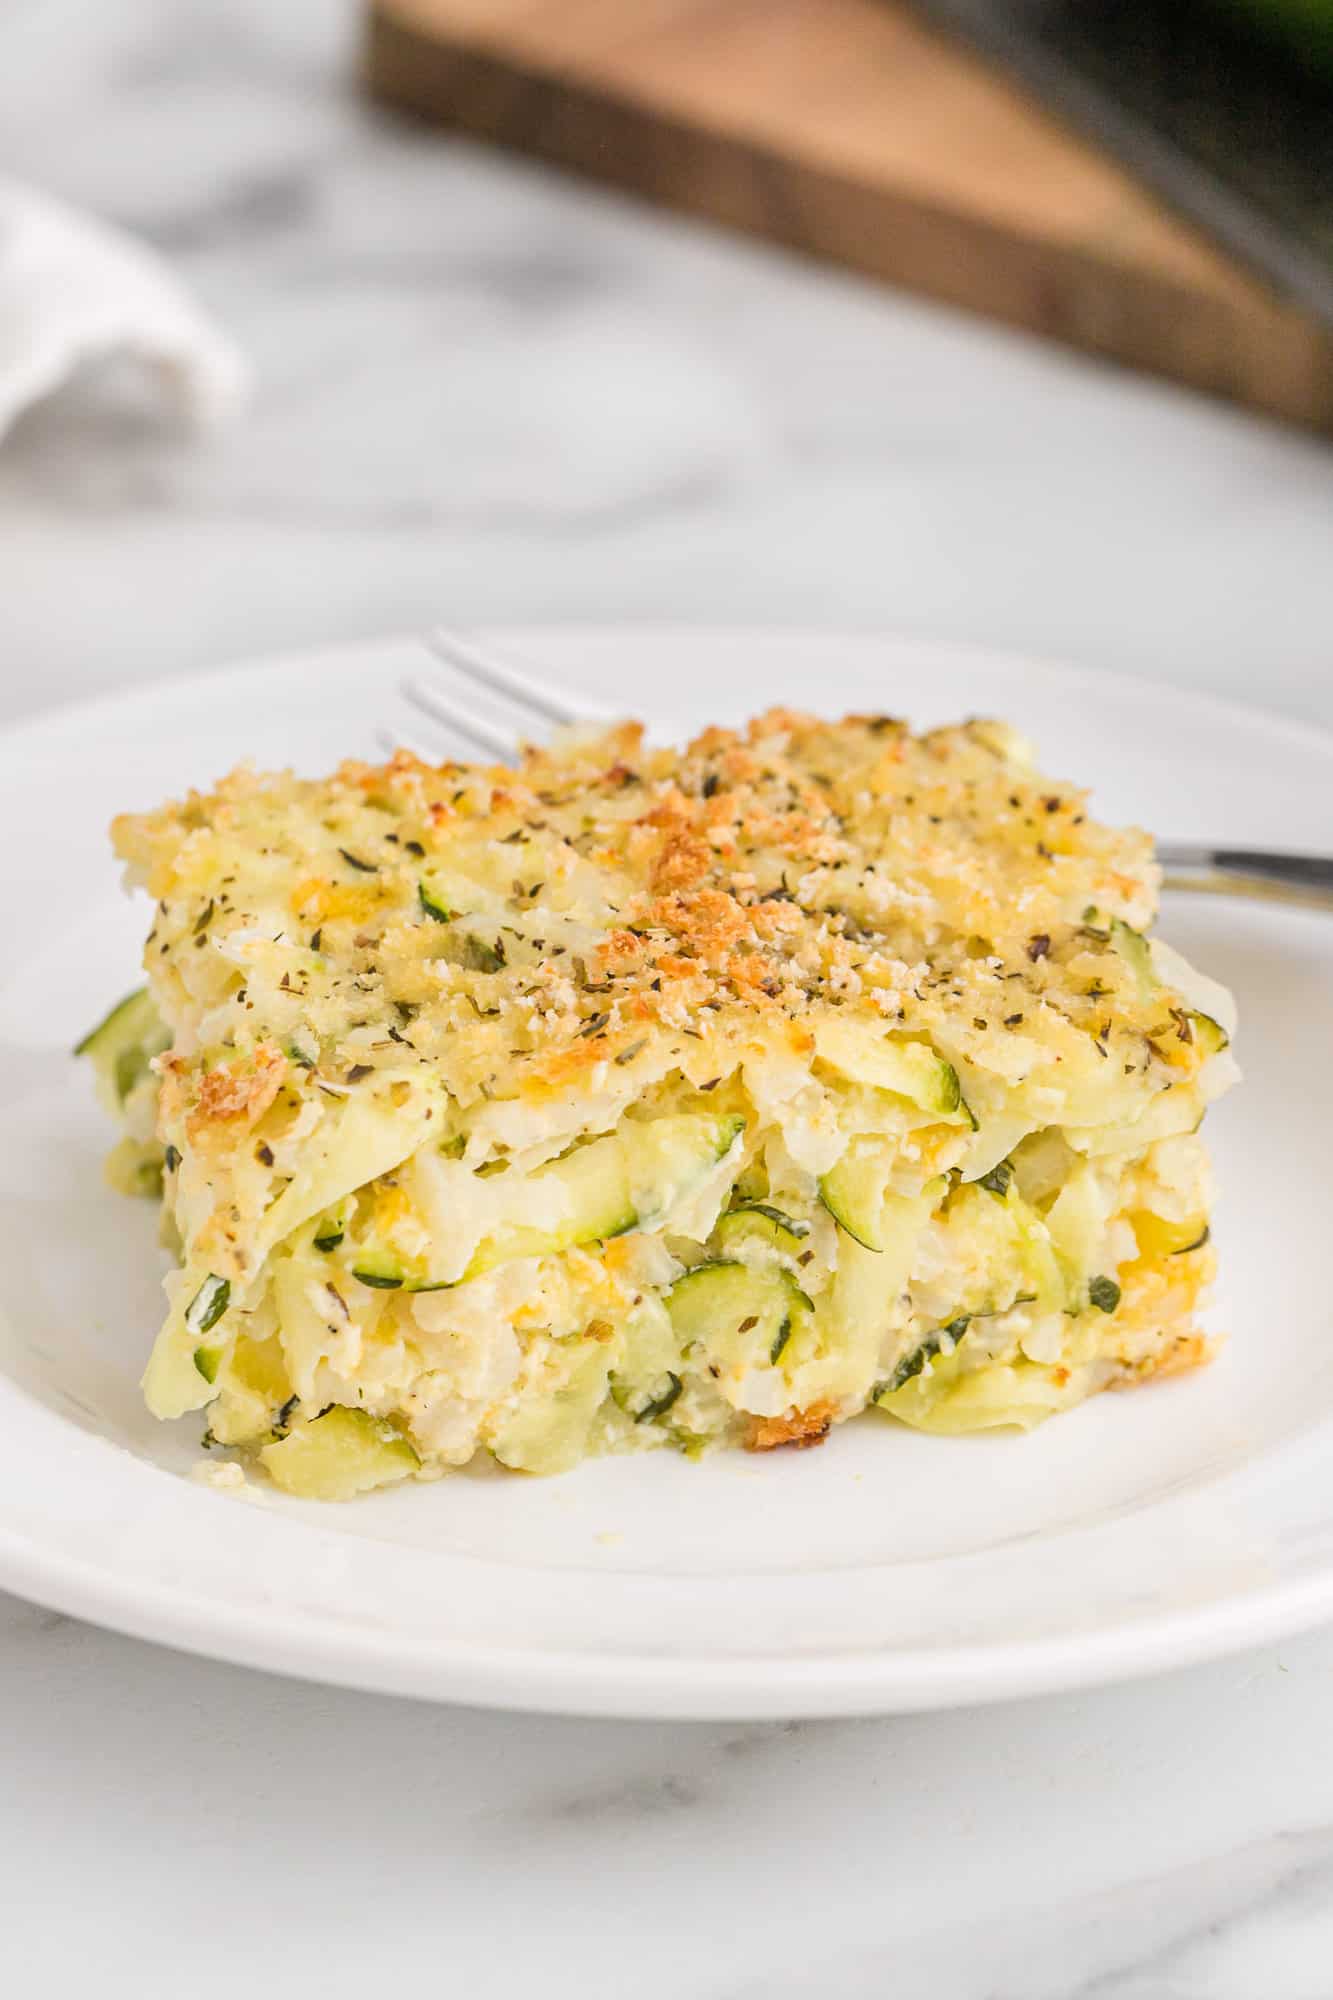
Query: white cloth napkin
(74,291)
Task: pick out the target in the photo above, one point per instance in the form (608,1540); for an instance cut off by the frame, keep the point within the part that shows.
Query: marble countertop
(485,392)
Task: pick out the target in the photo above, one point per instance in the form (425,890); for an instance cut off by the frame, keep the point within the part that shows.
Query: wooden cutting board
(852,130)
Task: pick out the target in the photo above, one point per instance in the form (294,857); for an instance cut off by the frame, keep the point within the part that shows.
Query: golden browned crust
(611,904)
(224,1096)
(798,1428)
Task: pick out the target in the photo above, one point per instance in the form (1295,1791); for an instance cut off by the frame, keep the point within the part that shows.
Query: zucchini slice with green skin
(854,1192)
(647,1365)
(1006,1241)
(255,1397)
(359,1140)
(869,1284)
(1156,1237)
(1173,1111)
(338,1455)
(134,1167)
(479,956)
(751,1189)
(380,1270)
(123,1044)
(1137,952)
(208,1304)
(383,1270)
(645,1406)
(549,1433)
(628,1180)
(1211,1036)
(1133,948)
(669,1157)
(860,1051)
(596,1191)
(943,1340)
(131,1021)
(332,1226)
(757,1222)
(582,1198)
(202,1314)
(433,905)
(952,1400)
(738,1317)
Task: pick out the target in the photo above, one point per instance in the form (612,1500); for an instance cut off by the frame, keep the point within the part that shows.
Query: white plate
(888,1570)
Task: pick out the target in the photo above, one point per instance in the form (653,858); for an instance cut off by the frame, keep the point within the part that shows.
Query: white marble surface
(488,393)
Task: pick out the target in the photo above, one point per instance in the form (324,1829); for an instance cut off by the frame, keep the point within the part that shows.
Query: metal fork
(1230,871)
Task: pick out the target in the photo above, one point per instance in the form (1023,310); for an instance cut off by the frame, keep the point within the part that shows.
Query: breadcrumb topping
(609,903)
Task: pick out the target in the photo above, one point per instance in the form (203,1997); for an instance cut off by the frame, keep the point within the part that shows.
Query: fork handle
(1249,871)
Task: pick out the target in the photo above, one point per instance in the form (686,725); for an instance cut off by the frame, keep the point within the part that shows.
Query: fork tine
(430,702)
(391,741)
(474,663)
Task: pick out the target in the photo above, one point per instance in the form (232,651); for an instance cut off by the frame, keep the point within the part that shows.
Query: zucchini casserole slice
(639,1097)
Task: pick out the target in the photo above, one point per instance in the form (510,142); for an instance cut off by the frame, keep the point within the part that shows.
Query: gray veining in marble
(1152,1843)
(488,393)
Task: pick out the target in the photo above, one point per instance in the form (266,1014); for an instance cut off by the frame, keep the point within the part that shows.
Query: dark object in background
(861,131)
(1303,27)
(1226,106)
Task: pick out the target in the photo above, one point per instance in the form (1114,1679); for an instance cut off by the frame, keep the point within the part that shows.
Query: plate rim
(850,1681)
(647,1687)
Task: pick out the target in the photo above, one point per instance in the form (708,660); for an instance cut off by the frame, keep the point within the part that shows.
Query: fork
(1263,873)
